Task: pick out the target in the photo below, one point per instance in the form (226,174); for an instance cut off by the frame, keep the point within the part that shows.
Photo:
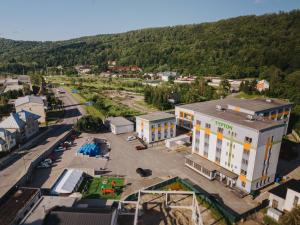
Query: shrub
(89,124)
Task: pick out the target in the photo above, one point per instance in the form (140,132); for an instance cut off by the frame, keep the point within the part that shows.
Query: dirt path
(131,99)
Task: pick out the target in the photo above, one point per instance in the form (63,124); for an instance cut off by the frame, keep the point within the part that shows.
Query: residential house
(7,139)
(34,104)
(262,85)
(24,124)
(284,198)
(167,75)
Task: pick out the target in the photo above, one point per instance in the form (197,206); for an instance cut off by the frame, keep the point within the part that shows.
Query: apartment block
(156,126)
(237,141)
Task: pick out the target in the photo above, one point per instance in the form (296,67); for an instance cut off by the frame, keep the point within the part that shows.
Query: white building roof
(17,120)
(68,181)
(12,122)
(29,99)
(119,121)
(13,87)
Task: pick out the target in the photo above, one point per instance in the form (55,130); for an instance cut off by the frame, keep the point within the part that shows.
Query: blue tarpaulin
(91,149)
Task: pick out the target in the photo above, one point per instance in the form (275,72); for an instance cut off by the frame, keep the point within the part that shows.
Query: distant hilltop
(241,47)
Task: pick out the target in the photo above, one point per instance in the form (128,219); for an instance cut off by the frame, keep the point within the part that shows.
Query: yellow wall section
(243,178)
(247,146)
(219,136)
(207,131)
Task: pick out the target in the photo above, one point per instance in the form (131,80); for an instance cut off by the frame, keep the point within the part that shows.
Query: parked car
(144,172)
(48,161)
(131,138)
(140,147)
(59,149)
(43,165)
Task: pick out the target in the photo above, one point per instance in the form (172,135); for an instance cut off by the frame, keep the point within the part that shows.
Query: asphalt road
(11,174)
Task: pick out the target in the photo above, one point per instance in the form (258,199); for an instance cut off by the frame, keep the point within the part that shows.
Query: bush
(89,124)
(269,221)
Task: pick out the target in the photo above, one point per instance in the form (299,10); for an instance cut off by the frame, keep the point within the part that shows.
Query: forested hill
(241,47)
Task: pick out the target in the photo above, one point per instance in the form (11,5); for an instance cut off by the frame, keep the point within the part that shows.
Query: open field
(119,97)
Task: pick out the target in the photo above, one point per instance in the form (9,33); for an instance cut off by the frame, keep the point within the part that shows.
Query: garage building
(119,125)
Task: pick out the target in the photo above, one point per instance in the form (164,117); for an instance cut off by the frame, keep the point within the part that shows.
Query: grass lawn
(96,186)
(89,109)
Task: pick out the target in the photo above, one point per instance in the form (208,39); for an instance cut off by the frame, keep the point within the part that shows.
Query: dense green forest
(239,47)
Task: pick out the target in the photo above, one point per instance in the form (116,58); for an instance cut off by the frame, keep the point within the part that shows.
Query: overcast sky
(64,19)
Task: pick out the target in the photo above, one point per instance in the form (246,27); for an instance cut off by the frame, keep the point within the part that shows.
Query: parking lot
(125,159)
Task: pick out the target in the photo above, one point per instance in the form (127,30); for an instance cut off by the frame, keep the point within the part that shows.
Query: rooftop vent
(269,100)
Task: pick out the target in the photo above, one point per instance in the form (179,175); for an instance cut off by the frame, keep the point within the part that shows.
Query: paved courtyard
(124,160)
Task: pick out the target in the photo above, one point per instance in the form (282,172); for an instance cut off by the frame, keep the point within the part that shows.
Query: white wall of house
(121,129)
(280,202)
(291,197)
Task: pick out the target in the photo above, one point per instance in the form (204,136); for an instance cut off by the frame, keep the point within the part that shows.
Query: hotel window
(220,130)
(218,150)
(219,142)
(166,133)
(206,171)
(206,137)
(205,153)
(243,184)
(181,114)
(197,166)
(197,148)
(218,159)
(243,172)
(207,125)
(248,139)
(152,126)
(188,161)
(206,144)
(296,200)
(198,122)
(246,153)
(245,161)
(153,137)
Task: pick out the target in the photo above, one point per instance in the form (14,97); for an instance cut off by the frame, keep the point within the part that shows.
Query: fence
(229,215)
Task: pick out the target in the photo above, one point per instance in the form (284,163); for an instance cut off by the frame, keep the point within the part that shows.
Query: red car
(140,147)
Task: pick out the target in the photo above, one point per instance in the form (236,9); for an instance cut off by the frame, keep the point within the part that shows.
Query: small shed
(119,125)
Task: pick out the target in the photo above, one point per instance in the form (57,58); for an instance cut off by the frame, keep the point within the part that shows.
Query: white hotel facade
(237,141)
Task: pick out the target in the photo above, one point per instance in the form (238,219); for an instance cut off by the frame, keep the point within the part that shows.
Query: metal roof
(281,189)
(209,108)
(67,181)
(25,115)
(79,216)
(119,121)
(13,122)
(29,99)
(157,116)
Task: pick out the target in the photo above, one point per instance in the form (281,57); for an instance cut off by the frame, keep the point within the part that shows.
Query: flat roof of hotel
(209,108)
(157,116)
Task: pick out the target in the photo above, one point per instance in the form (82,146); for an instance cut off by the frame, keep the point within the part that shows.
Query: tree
(224,87)
(292,217)
(89,123)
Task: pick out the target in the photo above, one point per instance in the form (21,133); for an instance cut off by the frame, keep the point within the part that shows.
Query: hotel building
(156,126)
(237,141)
